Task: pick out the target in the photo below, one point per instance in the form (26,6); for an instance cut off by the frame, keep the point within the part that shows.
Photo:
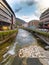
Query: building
(7,16)
(44,19)
(33,23)
(25,25)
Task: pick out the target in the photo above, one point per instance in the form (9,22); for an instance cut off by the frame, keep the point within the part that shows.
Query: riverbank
(43,36)
(6,35)
(6,43)
(37,31)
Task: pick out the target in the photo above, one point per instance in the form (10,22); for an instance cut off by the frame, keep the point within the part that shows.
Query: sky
(28,10)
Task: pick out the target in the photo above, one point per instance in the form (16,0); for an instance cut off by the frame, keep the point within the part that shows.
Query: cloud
(11,1)
(18,9)
(28,18)
(37,13)
(30,2)
(43,5)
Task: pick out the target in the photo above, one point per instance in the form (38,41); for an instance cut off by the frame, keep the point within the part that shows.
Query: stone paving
(35,51)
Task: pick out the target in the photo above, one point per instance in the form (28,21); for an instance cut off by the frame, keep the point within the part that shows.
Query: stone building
(33,23)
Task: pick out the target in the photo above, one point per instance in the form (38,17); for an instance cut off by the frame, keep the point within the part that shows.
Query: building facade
(33,23)
(44,18)
(7,16)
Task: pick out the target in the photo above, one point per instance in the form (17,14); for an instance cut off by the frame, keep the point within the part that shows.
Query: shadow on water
(26,61)
(33,61)
(40,42)
(17,61)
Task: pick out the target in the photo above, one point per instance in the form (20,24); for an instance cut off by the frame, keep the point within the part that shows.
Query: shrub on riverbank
(5,34)
(46,34)
(42,33)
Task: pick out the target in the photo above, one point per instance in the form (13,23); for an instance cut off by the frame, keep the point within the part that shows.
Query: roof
(8,5)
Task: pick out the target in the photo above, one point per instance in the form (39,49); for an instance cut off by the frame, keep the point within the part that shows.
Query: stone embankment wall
(6,35)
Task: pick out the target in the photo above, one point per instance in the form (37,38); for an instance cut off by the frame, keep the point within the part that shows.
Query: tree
(41,24)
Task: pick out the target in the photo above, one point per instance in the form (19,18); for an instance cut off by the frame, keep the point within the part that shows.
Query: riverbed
(26,46)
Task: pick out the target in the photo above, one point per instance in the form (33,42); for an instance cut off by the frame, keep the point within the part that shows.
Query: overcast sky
(28,9)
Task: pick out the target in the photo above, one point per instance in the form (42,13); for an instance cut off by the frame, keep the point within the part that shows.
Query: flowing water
(9,50)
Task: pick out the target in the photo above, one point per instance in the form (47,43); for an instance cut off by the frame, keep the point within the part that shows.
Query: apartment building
(7,16)
(44,18)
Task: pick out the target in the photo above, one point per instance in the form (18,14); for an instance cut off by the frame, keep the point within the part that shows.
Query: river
(23,39)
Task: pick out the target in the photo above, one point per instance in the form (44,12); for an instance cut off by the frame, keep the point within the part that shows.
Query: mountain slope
(19,21)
